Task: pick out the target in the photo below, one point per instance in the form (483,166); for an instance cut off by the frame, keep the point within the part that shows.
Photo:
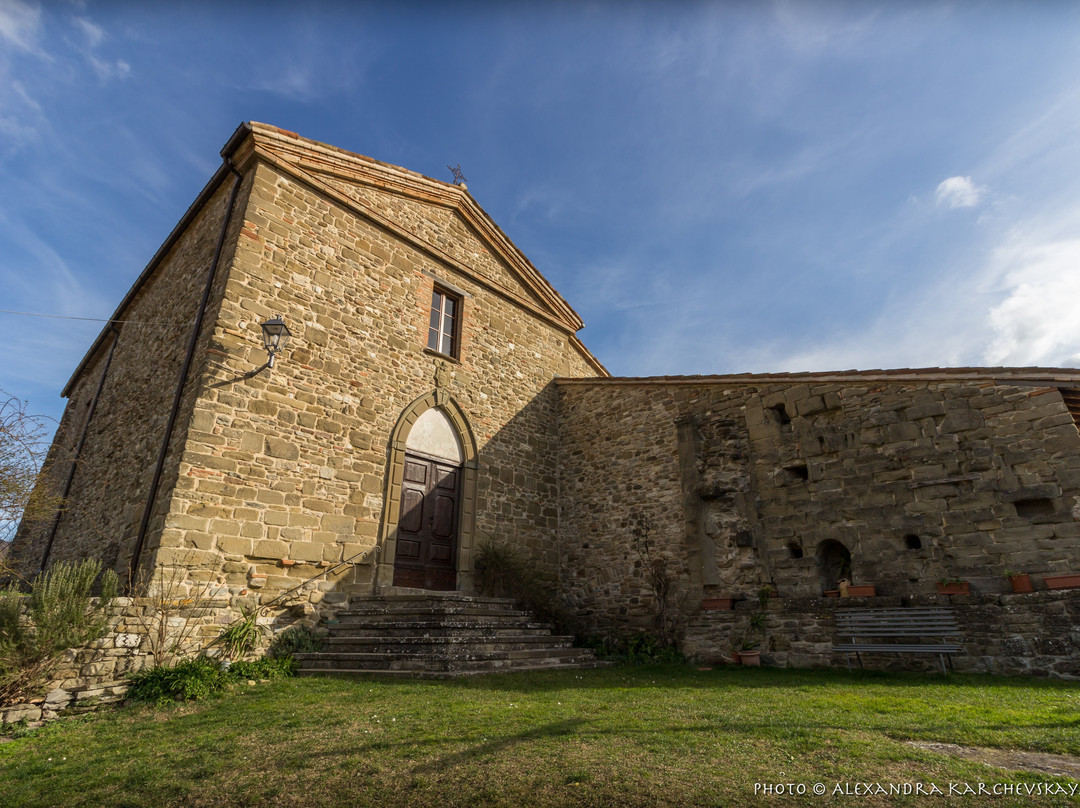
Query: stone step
(448,599)
(430,618)
(444,645)
(431,629)
(516,667)
(446,634)
(431,611)
(440,662)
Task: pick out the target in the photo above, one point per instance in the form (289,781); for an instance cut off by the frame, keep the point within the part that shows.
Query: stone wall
(745,481)
(1035,634)
(109,489)
(274,476)
(96,674)
(287,471)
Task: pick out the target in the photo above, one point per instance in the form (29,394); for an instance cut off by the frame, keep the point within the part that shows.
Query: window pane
(442,325)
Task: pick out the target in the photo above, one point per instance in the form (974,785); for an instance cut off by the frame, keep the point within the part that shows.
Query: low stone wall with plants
(142,632)
(1033,634)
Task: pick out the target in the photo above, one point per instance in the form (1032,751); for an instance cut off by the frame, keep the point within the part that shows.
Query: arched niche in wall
(834,563)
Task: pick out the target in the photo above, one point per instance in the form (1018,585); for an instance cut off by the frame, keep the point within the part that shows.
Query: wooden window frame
(439,335)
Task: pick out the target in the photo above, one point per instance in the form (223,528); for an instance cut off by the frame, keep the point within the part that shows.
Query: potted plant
(850,590)
(751,657)
(1068,580)
(953,586)
(1020,581)
(749,653)
(861,591)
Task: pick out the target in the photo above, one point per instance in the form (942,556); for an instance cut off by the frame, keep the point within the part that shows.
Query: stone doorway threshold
(1062,765)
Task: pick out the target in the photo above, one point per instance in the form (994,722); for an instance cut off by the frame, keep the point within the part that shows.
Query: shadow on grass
(553,731)
(691,676)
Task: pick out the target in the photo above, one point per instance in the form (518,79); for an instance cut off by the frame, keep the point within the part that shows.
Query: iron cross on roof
(459,178)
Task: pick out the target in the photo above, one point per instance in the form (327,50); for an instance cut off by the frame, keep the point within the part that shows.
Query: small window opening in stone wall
(795,549)
(780,415)
(795,474)
(1030,508)
(744,538)
(912,542)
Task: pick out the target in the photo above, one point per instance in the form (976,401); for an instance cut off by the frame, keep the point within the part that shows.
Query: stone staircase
(440,636)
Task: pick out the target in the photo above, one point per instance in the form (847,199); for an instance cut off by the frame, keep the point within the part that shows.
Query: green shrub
(239,638)
(640,649)
(265,668)
(503,571)
(194,679)
(188,680)
(58,613)
(297,640)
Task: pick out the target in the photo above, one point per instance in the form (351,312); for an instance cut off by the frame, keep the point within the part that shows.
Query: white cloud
(20,23)
(93,35)
(959,192)
(1038,322)
(816,27)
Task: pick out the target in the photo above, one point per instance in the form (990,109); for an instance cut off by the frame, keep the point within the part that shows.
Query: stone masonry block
(306,551)
(335,523)
(235,546)
(269,549)
(278,447)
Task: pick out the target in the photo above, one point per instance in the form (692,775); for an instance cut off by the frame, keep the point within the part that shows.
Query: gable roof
(314,164)
(326,168)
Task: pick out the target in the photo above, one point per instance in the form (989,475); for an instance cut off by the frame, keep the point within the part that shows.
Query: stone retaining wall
(96,674)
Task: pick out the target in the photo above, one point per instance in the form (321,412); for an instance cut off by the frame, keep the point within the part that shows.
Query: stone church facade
(434,394)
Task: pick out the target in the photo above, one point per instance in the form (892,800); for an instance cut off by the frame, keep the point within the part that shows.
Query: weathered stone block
(338,524)
(279,447)
(269,549)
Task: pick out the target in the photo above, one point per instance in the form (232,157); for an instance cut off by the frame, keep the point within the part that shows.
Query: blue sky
(715,187)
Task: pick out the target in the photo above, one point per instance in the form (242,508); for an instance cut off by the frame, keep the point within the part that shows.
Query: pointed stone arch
(395,473)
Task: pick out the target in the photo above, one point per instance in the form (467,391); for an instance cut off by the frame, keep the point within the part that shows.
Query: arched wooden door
(428,524)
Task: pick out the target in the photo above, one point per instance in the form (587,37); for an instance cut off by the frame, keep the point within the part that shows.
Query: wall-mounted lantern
(275,335)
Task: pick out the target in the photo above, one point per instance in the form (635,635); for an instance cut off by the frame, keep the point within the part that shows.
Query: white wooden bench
(904,631)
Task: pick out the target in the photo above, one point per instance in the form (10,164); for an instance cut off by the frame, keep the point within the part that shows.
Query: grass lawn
(629,736)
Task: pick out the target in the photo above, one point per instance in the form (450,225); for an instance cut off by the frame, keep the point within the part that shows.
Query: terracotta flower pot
(1068,581)
(750,658)
(716,604)
(954,588)
(1021,583)
(832,593)
(860,591)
